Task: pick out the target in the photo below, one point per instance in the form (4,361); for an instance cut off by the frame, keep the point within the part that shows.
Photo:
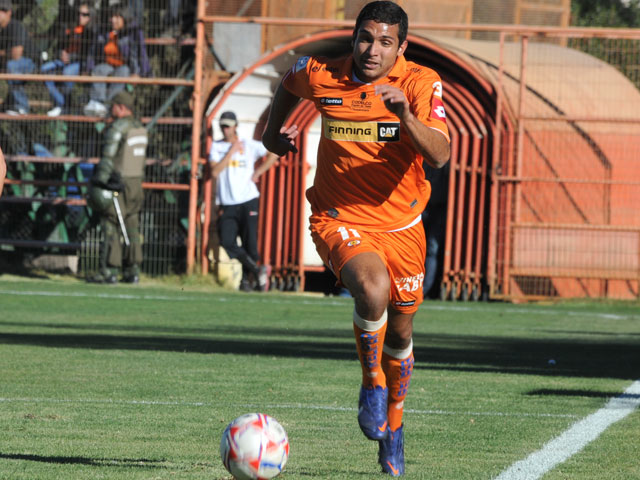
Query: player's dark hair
(384,11)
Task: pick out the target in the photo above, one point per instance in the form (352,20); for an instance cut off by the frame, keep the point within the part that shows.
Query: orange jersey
(369,173)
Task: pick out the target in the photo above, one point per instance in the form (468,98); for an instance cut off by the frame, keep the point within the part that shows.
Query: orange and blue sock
(369,343)
(398,367)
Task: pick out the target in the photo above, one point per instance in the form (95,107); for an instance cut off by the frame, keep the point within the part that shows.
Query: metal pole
(195,139)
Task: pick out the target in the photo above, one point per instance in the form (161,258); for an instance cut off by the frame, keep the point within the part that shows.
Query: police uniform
(118,177)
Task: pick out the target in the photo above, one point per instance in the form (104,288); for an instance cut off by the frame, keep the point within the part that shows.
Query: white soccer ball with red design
(254,447)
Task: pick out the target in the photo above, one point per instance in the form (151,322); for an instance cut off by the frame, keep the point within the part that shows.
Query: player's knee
(372,295)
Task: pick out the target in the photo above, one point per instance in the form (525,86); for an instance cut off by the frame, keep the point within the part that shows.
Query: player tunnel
(470,103)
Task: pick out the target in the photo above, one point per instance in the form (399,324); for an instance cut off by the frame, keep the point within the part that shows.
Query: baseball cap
(228,119)
(6,5)
(122,98)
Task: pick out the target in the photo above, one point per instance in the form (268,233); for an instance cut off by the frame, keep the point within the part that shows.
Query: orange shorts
(402,251)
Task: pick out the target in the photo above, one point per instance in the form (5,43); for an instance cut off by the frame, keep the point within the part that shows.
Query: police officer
(115,193)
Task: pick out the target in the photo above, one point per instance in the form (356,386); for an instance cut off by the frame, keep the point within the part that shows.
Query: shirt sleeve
(296,80)
(428,105)
(215,154)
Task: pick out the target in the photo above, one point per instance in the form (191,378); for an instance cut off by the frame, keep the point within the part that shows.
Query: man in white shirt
(233,165)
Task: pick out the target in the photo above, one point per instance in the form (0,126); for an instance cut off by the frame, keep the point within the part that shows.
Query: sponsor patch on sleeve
(437,109)
(301,64)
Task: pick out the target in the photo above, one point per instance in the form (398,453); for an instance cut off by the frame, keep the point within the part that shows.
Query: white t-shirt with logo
(234,182)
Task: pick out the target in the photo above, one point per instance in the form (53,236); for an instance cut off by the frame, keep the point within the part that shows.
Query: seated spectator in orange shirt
(120,53)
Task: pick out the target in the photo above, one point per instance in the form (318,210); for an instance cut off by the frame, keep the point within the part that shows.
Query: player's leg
(367,278)
(397,363)
(406,261)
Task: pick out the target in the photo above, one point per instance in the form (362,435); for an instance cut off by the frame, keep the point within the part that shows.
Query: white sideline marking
(574,439)
(325,301)
(127,296)
(286,406)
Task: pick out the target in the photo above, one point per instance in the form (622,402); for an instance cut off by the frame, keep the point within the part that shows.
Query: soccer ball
(254,447)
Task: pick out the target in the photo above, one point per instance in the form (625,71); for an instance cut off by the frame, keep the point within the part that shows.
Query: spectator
(233,160)
(117,185)
(15,55)
(76,41)
(121,53)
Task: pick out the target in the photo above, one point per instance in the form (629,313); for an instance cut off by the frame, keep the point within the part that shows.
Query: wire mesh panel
(571,226)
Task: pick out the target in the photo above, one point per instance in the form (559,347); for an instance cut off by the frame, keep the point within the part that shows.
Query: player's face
(375,50)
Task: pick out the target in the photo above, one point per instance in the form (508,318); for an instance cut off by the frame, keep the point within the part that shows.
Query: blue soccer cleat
(372,412)
(391,453)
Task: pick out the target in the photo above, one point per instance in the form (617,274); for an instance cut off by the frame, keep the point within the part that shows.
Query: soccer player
(381,116)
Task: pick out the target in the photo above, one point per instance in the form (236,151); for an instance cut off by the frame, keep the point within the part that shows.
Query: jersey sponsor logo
(324,68)
(389,132)
(301,64)
(405,304)
(339,130)
(361,105)
(437,109)
(330,101)
(410,284)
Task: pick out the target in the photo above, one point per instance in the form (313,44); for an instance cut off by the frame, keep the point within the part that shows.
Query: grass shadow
(77,460)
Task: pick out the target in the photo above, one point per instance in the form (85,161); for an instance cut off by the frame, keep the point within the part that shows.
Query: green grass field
(139,382)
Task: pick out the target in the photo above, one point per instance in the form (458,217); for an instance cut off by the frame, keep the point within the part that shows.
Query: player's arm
(269,161)
(218,167)
(430,143)
(276,138)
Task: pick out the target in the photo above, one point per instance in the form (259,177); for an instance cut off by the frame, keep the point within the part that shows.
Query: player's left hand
(393,99)
(285,140)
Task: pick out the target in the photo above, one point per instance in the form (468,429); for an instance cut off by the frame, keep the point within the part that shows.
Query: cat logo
(388,132)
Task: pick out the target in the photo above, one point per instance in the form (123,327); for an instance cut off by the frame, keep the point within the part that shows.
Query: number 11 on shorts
(346,233)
